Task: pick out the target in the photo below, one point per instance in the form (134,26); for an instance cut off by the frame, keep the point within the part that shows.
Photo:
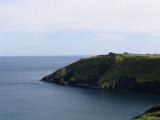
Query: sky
(78,27)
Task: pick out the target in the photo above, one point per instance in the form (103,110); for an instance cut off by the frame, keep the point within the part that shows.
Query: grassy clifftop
(151,114)
(113,71)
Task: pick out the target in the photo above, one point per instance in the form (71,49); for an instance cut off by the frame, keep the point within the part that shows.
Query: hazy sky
(79,27)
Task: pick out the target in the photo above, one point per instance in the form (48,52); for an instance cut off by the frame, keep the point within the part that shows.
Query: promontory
(138,72)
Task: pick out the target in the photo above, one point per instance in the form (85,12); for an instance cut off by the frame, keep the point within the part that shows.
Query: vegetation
(112,72)
(152,114)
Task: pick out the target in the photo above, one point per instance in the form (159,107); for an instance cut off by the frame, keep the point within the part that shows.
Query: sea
(24,97)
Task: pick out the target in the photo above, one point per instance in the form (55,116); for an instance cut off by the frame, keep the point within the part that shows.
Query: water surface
(24,97)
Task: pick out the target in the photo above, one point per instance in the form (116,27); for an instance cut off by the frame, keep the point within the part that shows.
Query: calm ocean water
(24,97)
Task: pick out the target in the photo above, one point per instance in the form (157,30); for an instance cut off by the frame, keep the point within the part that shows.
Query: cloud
(96,15)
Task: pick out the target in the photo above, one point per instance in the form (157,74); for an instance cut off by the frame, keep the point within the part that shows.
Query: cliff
(112,72)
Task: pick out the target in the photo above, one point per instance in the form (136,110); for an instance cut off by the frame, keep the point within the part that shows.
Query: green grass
(147,118)
(140,72)
(113,71)
(151,114)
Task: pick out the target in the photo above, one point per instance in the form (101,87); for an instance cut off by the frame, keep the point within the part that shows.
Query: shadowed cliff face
(151,114)
(112,72)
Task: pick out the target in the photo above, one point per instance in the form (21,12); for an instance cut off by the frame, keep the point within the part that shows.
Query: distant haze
(78,27)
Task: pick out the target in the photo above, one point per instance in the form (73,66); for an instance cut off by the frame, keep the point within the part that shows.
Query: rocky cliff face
(112,72)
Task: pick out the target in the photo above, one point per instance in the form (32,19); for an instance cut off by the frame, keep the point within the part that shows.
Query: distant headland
(137,72)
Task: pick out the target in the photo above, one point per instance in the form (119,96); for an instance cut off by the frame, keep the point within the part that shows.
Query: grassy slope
(138,71)
(85,71)
(113,71)
(152,114)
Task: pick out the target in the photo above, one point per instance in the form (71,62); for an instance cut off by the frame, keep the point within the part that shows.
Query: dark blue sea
(24,97)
